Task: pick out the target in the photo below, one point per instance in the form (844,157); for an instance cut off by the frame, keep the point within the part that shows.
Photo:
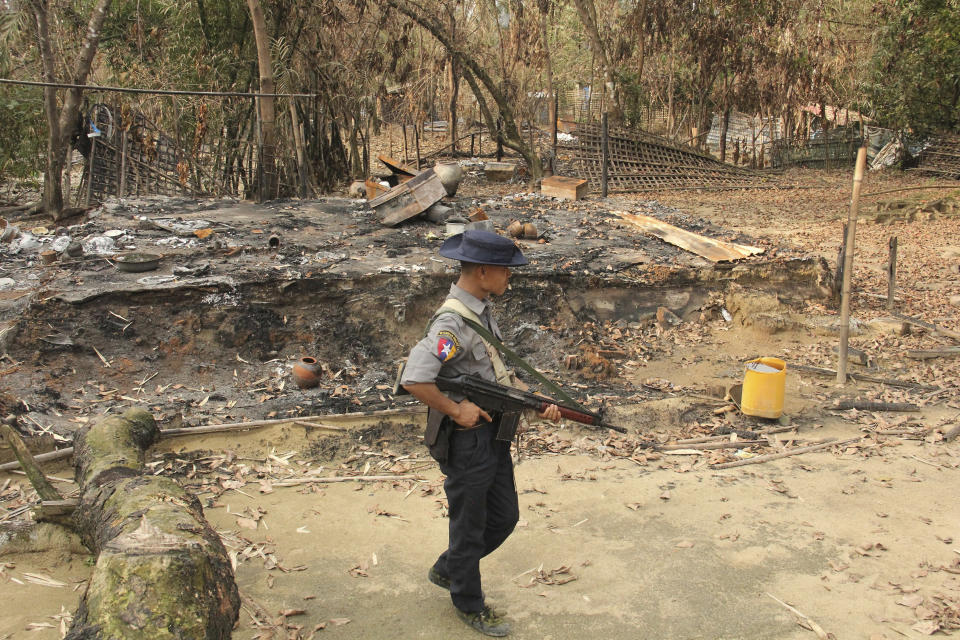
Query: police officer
(481,494)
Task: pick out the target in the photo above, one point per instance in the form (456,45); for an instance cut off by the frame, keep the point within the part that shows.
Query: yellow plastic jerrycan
(763,388)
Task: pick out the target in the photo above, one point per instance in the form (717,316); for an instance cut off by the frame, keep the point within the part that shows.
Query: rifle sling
(517,360)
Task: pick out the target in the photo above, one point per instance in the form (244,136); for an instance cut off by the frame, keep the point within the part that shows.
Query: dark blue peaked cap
(482,247)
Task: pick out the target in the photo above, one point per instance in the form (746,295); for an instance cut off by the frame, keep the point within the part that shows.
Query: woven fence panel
(641,161)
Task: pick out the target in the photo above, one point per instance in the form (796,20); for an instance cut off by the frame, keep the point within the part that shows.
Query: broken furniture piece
(399,173)
(374,188)
(409,198)
(564,188)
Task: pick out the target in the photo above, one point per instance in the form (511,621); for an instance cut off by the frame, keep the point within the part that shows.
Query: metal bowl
(137,262)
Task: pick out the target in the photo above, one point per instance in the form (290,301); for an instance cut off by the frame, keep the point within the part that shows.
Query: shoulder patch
(447,346)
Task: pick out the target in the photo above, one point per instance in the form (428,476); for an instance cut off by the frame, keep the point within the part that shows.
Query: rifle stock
(492,396)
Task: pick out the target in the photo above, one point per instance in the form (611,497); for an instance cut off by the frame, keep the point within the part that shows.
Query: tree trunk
(671,120)
(267,184)
(453,79)
(725,125)
(453,82)
(62,123)
(162,571)
(587,12)
(551,96)
(298,143)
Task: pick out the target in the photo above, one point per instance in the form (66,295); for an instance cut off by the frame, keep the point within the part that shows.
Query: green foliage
(23,132)
(916,69)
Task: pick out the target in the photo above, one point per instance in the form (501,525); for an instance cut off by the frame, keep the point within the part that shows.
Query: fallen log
(161,571)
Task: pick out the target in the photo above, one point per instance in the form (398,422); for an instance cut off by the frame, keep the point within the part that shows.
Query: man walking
(481,494)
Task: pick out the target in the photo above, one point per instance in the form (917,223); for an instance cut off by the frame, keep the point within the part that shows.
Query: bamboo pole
(292,482)
(236,426)
(783,454)
(44,489)
(42,457)
(848,265)
(240,426)
(416,138)
(90,168)
(122,182)
(605,152)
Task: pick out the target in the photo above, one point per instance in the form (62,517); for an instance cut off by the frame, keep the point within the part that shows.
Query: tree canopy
(496,61)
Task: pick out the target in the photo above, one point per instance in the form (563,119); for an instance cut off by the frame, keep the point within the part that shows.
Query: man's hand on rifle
(470,415)
(552,413)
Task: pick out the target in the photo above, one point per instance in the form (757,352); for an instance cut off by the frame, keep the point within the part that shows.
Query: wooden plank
(709,248)
(428,190)
(564,187)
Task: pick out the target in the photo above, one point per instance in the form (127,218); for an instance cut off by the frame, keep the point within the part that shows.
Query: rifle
(491,396)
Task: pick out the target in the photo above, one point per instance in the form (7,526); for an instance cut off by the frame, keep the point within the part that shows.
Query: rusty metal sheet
(397,167)
(709,248)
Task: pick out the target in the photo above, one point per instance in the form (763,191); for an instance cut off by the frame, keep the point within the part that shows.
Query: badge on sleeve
(447,346)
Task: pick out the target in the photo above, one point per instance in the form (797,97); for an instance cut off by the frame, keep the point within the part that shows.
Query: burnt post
(892,273)
(416,140)
(604,153)
(90,168)
(122,182)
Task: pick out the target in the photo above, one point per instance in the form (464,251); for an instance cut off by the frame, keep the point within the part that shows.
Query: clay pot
(515,229)
(450,174)
(530,230)
(306,373)
(49,256)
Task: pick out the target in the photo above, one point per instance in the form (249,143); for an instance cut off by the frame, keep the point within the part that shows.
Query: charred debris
(240,292)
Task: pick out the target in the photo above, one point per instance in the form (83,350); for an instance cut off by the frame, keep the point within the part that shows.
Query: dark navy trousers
(483,509)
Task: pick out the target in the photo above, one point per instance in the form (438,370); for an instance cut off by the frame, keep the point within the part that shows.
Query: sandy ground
(860,539)
(670,549)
